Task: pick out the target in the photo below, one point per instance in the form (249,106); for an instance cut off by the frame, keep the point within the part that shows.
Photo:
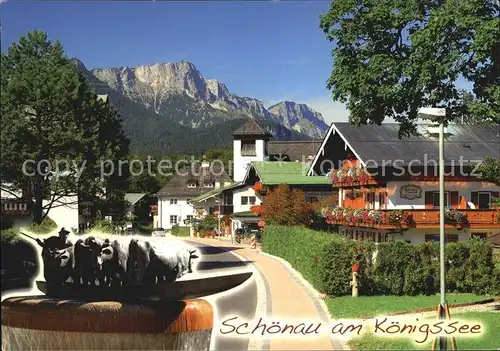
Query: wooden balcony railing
(421,218)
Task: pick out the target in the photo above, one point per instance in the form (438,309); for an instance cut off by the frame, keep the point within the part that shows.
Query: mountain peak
(178,91)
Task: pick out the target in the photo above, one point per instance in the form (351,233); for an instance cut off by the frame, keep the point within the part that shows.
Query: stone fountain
(160,316)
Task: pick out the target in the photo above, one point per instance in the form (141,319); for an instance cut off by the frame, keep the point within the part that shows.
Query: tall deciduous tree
(392,57)
(55,131)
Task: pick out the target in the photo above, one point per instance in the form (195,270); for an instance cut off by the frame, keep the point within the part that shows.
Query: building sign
(410,192)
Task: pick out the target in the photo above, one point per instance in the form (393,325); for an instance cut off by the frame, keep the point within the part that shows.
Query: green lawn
(181,231)
(372,306)
(490,340)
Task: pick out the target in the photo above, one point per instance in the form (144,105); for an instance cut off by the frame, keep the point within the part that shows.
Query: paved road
(215,260)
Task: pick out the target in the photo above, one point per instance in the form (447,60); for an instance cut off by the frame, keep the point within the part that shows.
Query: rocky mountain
(180,92)
(178,122)
(301,118)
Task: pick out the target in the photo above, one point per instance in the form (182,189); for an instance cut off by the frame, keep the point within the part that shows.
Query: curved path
(242,301)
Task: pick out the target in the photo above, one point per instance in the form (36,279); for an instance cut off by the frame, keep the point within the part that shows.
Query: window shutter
(474,198)
(454,198)
(429,202)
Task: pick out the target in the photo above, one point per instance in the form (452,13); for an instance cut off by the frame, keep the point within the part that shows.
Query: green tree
(53,120)
(489,170)
(392,57)
(473,111)
(225,156)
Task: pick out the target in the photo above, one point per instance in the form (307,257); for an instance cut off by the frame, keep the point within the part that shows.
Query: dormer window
(191,185)
(208,185)
(248,148)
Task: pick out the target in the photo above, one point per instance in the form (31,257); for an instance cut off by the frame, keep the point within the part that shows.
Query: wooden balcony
(425,218)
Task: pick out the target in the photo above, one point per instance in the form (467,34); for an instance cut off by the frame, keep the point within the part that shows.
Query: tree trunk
(38,197)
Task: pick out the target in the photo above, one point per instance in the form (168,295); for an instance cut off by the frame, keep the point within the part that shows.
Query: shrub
(104,226)
(392,259)
(421,270)
(495,286)
(9,236)
(47,226)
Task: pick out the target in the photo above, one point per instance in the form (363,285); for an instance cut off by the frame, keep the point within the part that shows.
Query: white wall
(239,193)
(464,189)
(64,212)
(240,162)
(182,209)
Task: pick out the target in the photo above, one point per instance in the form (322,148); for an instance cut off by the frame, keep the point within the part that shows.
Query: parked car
(159,232)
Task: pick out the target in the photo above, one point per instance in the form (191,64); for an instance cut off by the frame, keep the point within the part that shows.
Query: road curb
(253,344)
(320,305)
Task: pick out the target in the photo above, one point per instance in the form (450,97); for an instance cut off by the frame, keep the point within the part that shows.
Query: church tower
(250,144)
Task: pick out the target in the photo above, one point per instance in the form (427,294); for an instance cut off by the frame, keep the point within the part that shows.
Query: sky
(269,50)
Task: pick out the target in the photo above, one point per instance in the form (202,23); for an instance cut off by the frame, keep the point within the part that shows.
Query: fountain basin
(42,323)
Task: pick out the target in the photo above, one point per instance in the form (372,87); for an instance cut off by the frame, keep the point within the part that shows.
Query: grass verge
(488,340)
(372,306)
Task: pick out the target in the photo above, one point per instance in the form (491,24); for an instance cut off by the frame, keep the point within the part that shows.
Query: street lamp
(437,115)
(218,201)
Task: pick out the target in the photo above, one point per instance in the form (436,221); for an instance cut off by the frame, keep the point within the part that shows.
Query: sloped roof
(293,150)
(134,198)
(381,143)
(177,185)
(216,192)
(292,173)
(251,128)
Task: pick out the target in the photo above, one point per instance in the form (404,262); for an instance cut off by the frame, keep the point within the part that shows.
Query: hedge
(395,268)
(299,246)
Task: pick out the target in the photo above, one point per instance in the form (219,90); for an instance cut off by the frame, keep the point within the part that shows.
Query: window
(248,200)
(173,219)
(478,235)
(173,201)
(435,199)
(370,201)
(382,204)
(483,200)
(211,210)
(449,238)
(191,185)
(248,148)
(189,217)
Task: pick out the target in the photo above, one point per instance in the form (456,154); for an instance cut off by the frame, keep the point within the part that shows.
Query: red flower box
(355,267)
